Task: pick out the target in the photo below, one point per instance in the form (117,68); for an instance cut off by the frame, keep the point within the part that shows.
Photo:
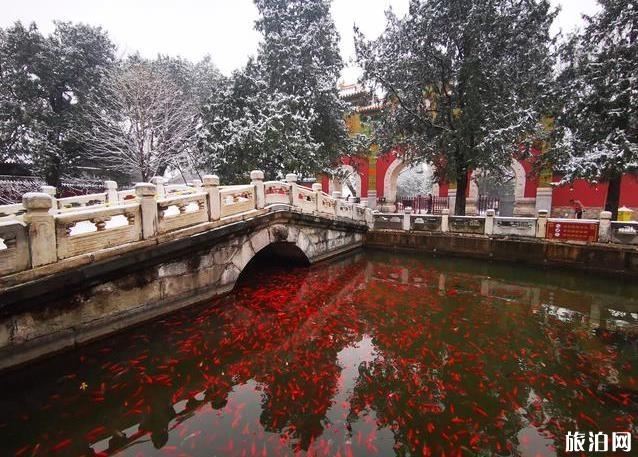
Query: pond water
(373,354)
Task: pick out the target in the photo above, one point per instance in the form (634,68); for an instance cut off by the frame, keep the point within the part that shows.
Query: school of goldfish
(370,355)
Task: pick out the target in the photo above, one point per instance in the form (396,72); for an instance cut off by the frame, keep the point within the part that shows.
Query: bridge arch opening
(276,256)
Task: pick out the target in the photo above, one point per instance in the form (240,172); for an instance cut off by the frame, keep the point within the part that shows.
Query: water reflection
(373,354)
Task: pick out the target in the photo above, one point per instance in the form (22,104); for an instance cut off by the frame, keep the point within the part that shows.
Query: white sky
(221,28)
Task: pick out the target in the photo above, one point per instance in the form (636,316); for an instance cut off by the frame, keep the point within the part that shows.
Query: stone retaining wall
(598,257)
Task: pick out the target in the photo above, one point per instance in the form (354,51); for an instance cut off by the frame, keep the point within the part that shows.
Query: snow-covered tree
(466,82)
(141,122)
(599,85)
(282,113)
(44,82)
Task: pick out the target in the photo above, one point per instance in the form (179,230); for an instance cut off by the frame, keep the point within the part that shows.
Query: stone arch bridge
(73,270)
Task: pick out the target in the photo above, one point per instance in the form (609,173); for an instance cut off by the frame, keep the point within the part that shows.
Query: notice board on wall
(572,231)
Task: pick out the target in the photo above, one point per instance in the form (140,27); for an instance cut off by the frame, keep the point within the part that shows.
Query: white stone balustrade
(305,199)
(92,223)
(236,199)
(98,228)
(177,189)
(41,223)
(326,204)
(35,233)
(497,226)
(276,193)
(604,227)
(541,223)
(211,187)
(291,179)
(344,209)
(14,248)
(146,195)
(159,182)
(257,180)
(182,211)
(406,218)
(12,212)
(82,201)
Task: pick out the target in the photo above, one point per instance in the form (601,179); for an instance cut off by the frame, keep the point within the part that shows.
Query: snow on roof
(350,90)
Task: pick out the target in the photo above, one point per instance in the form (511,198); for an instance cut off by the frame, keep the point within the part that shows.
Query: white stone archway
(520,179)
(390,179)
(521,204)
(338,185)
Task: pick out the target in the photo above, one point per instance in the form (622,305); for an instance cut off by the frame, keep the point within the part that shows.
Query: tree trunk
(613,196)
(52,173)
(461,190)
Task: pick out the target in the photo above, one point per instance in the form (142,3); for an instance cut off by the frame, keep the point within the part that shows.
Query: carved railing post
(111,193)
(42,243)
(211,185)
(291,179)
(197,184)
(51,191)
(159,186)
(445,220)
(146,193)
(604,227)
(406,219)
(541,223)
(257,180)
(317,189)
(489,222)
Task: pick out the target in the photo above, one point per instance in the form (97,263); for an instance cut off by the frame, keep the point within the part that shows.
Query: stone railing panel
(126,196)
(172,190)
(423,223)
(624,232)
(277,192)
(14,247)
(326,204)
(359,213)
(88,231)
(236,199)
(467,224)
(182,211)
(345,209)
(82,201)
(305,199)
(583,230)
(515,226)
(388,221)
(12,212)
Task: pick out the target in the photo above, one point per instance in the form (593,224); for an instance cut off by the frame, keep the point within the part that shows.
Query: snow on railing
(236,199)
(305,199)
(44,230)
(624,232)
(552,229)
(326,204)
(12,212)
(182,211)
(14,248)
(81,202)
(91,230)
(276,192)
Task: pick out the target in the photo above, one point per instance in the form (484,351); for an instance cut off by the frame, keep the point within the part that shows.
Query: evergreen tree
(43,84)
(282,113)
(466,82)
(599,84)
